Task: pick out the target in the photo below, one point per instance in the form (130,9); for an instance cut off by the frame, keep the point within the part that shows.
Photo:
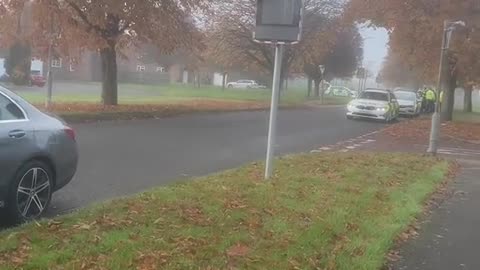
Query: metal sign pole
(272,129)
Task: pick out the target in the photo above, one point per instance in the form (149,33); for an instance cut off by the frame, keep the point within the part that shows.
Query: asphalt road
(121,158)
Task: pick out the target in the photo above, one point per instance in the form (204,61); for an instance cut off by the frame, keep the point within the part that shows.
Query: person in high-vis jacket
(421,94)
(431,99)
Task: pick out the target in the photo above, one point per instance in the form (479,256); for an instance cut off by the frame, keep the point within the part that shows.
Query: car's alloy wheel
(31,192)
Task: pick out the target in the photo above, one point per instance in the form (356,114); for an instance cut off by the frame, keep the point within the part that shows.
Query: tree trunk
(224,81)
(449,100)
(467,100)
(309,86)
(109,76)
(322,91)
(317,88)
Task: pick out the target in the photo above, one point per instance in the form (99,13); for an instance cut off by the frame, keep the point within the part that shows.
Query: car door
(242,84)
(16,139)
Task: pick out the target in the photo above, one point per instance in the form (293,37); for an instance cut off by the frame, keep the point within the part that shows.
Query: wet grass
(165,94)
(321,211)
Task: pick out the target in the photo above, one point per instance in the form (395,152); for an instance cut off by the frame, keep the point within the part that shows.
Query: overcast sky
(375,48)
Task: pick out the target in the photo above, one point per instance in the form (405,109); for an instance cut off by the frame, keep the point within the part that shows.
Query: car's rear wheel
(31,192)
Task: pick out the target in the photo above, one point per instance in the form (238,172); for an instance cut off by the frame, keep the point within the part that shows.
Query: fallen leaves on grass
(229,221)
(420,129)
(194,215)
(94,111)
(238,250)
(235,204)
(20,255)
(152,260)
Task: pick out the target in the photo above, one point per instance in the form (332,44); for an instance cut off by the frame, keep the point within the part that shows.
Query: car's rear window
(403,95)
(374,95)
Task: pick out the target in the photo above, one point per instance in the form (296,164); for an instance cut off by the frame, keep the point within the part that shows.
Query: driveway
(122,158)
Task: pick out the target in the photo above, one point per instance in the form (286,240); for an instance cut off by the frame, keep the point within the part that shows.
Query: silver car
(38,156)
(410,104)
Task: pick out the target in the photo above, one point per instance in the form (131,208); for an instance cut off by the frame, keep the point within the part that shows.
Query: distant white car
(340,91)
(245,84)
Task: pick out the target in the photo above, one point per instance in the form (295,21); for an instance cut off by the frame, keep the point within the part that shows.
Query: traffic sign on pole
(278,22)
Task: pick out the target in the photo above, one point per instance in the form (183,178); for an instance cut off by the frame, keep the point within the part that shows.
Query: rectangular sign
(278,21)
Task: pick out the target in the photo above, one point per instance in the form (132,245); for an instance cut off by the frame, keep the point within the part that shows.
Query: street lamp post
(448,28)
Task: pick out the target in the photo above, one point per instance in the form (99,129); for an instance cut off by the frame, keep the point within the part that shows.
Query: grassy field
(321,211)
(149,94)
(467,117)
(144,101)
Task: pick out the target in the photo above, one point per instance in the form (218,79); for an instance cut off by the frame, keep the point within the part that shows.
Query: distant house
(132,69)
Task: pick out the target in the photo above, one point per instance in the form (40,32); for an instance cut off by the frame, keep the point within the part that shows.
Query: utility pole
(448,28)
(48,102)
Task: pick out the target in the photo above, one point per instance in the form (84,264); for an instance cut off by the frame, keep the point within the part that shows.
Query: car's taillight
(70,133)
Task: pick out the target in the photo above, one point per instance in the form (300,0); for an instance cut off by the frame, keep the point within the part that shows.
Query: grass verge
(321,211)
(161,94)
(419,130)
(85,112)
(473,117)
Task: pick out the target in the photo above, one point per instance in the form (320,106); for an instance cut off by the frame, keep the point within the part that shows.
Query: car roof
(403,89)
(385,91)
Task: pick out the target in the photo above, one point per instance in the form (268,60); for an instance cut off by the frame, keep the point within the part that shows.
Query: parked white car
(245,84)
(340,91)
(374,104)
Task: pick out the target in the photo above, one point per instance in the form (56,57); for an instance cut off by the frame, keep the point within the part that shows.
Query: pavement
(126,157)
(449,238)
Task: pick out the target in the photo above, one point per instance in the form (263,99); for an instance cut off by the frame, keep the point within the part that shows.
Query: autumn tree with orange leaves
(395,73)
(109,26)
(338,48)
(416,35)
(230,42)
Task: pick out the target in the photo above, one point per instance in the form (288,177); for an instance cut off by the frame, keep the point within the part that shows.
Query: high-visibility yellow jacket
(430,94)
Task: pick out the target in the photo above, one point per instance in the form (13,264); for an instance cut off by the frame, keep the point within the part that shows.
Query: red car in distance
(37,79)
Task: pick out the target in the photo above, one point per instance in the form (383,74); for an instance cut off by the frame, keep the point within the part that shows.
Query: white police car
(376,104)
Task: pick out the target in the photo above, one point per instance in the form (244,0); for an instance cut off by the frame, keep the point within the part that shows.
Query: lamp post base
(434,134)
